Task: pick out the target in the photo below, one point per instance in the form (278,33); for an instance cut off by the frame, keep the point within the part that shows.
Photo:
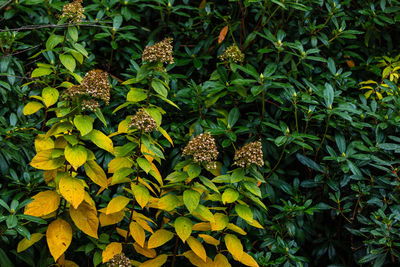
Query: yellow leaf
(100,139)
(159,238)
(215,171)
(209,239)
(43,204)
(89,200)
(70,264)
(202,226)
(85,218)
(141,194)
(43,143)
(379,95)
(255,223)
(75,155)
(197,248)
(234,246)
(144,224)
(50,96)
(168,202)
(222,34)
(197,261)
(123,126)
(117,204)
(236,229)
(166,135)
(368,94)
(137,233)
(32,107)
(204,213)
(122,232)
(156,262)
(183,227)
(72,190)
(49,175)
(147,153)
(96,173)
(111,219)
(221,221)
(149,253)
(118,163)
(229,196)
(44,160)
(221,261)
(59,236)
(111,250)
(248,260)
(202,4)
(25,243)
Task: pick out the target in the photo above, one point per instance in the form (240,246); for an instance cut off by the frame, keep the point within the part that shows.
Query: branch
(6,4)
(65,25)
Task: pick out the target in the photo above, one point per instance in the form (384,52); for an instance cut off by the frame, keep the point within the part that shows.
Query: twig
(6,4)
(65,25)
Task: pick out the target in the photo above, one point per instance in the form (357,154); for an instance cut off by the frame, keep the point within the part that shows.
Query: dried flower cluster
(94,85)
(143,121)
(250,153)
(119,260)
(203,149)
(159,52)
(73,11)
(233,53)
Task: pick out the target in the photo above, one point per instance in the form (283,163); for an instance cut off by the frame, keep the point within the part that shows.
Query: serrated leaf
(183,228)
(72,190)
(159,238)
(59,237)
(43,204)
(85,218)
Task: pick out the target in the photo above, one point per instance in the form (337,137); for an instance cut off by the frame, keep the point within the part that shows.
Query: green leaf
(136,95)
(53,41)
(68,61)
(194,170)
(329,95)
(309,163)
(73,33)
(117,21)
(233,117)
(183,227)
(83,123)
(100,116)
(50,96)
(191,199)
(244,212)
(209,184)
(229,196)
(252,188)
(39,72)
(237,175)
(159,88)
(144,164)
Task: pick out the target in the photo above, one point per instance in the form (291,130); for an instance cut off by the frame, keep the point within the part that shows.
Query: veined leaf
(159,238)
(111,250)
(221,221)
(248,260)
(83,123)
(197,248)
(156,262)
(229,196)
(183,228)
(191,199)
(50,96)
(209,239)
(234,246)
(25,243)
(72,190)
(59,237)
(149,253)
(75,155)
(117,204)
(43,204)
(221,261)
(96,173)
(85,218)
(141,194)
(137,233)
(244,212)
(100,139)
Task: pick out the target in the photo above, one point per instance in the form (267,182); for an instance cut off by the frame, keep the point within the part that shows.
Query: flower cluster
(143,121)
(119,260)
(73,11)
(159,52)
(94,86)
(203,149)
(233,53)
(250,153)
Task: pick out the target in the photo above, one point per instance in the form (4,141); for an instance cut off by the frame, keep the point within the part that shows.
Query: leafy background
(331,183)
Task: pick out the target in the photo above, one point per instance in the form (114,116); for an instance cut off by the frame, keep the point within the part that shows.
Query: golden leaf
(229,196)
(137,233)
(111,250)
(234,246)
(83,123)
(43,143)
(50,96)
(248,260)
(43,160)
(117,204)
(209,239)
(147,252)
(144,224)
(156,262)
(32,107)
(159,238)
(221,221)
(72,190)
(197,248)
(141,194)
(96,173)
(70,264)
(221,261)
(85,218)
(59,236)
(122,232)
(25,243)
(202,226)
(118,163)
(75,155)
(236,229)
(197,261)
(111,219)
(43,204)
(100,139)
(166,135)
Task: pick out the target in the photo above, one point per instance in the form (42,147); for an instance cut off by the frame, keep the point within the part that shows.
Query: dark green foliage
(331,154)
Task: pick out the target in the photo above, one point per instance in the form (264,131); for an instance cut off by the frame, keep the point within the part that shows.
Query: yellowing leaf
(70,264)
(117,204)
(141,194)
(43,204)
(204,213)
(44,160)
(32,107)
(43,143)
(149,253)
(191,199)
(25,243)
(221,261)
(166,135)
(197,248)
(183,227)
(96,173)
(137,233)
(248,260)
(159,238)
(221,221)
(119,163)
(255,223)
(197,261)
(72,190)
(75,155)
(168,202)
(111,219)
(100,139)
(236,229)
(111,250)
(209,239)
(234,246)
(85,218)
(229,196)
(244,212)
(222,34)
(202,226)
(59,236)
(83,123)
(156,262)
(50,96)
(145,225)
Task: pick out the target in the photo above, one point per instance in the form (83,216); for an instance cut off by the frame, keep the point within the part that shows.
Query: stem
(295,114)
(323,138)
(148,90)
(279,161)
(59,61)
(175,250)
